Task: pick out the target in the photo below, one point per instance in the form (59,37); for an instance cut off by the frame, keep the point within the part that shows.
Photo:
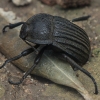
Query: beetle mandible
(62,36)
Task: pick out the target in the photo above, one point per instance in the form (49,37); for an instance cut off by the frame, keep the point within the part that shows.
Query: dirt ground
(37,88)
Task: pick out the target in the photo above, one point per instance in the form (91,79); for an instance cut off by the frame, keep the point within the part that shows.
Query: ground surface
(39,88)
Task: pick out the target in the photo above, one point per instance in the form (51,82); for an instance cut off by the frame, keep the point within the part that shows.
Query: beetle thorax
(37,32)
(40,31)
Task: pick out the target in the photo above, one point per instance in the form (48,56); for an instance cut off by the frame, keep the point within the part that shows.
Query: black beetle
(68,40)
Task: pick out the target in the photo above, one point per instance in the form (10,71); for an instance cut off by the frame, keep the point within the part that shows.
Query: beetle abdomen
(71,39)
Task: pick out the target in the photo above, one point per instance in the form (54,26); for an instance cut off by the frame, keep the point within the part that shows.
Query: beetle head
(24,31)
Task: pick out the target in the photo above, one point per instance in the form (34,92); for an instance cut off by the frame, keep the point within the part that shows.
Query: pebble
(21,2)
(46,84)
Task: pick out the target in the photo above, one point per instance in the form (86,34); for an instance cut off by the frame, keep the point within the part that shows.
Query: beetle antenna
(83,18)
(11,26)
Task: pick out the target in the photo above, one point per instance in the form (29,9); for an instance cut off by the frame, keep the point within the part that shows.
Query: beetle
(65,38)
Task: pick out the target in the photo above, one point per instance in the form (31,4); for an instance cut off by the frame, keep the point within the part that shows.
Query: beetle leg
(24,53)
(61,56)
(36,61)
(73,63)
(81,18)
(11,26)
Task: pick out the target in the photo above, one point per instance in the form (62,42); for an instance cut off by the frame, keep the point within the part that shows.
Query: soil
(35,88)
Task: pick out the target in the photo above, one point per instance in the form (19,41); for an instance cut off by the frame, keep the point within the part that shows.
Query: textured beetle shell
(71,39)
(63,34)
